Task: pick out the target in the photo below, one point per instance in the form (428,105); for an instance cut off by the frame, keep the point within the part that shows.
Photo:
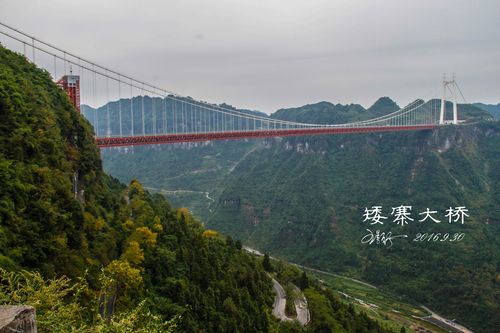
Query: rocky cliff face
(21,319)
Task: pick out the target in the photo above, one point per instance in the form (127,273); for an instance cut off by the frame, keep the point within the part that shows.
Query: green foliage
(266,263)
(304,281)
(328,312)
(138,320)
(59,308)
(226,289)
(43,144)
(290,301)
(56,300)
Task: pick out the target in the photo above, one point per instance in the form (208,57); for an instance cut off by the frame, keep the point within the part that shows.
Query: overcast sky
(270,54)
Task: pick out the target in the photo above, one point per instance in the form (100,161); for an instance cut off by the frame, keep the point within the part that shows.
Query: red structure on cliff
(71,84)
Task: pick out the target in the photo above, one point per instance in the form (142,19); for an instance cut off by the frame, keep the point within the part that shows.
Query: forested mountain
(493,109)
(130,246)
(328,113)
(304,199)
(93,255)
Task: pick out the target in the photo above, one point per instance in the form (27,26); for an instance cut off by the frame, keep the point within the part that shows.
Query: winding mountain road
(303,315)
(279,302)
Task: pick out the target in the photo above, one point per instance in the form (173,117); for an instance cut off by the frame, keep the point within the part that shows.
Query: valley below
(303,199)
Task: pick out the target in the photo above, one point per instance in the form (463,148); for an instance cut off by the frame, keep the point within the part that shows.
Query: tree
(403,330)
(210,233)
(304,281)
(119,280)
(133,253)
(266,263)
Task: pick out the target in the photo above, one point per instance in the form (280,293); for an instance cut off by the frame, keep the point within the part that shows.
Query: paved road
(303,315)
(256,252)
(333,274)
(301,307)
(445,323)
(279,302)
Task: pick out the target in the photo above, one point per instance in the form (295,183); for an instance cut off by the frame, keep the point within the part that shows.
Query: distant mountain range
(330,113)
(491,108)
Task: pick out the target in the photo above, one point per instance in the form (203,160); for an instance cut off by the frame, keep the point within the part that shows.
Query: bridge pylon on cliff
(452,87)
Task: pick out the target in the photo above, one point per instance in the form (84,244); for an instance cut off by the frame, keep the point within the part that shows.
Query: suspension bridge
(139,113)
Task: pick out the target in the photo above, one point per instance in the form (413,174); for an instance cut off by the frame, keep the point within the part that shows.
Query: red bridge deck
(104,142)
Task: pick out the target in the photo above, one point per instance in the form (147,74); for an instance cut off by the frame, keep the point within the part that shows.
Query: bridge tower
(71,85)
(443,102)
(452,87)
